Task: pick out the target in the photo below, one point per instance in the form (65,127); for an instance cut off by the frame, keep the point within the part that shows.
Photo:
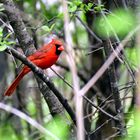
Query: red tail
(15,83)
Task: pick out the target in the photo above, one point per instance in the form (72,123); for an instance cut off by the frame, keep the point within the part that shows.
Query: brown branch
(89,101)
(115,91)
(108,62)
(39,72)
(26,42)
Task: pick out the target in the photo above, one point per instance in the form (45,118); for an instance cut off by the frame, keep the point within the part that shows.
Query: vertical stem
(115,91)
(73,68)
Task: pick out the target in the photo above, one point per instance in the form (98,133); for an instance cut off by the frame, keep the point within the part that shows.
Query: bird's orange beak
(61,48)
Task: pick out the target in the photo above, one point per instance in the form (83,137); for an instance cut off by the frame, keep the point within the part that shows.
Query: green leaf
(3,47)
(45,28)
(78,2)
(10,43)
(5,42)
(59,128)
(60,15)
(119,22)
(88,6)
(52,26)
(133,56)
(99,8)
(7,36)
(72,7)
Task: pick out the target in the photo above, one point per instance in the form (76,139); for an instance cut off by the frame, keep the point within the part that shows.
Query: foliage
(59,128)
(6,128)
(4,42)
(118,22)
(78,5)
(46,19)
(133,56)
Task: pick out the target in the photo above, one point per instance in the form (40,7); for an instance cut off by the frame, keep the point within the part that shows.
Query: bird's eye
(57,45)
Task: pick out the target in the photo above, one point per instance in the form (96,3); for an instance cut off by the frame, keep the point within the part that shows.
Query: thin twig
(121,61)
(88,100)
(45,78)
(61,77)
(99,108)
(8,27)
(88,29)
(108,62)
(94,50)
(126,63)
(73,68)
(98,128)
(28,119)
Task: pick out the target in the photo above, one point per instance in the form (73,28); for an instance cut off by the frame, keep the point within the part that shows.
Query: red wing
(41,53)
(37,55)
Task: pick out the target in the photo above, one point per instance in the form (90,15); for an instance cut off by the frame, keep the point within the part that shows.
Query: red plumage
(44,58)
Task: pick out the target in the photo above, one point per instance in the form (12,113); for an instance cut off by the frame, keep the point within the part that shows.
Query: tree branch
(26,42)
(39,72)
(28,119)
(18,25)
(108,62)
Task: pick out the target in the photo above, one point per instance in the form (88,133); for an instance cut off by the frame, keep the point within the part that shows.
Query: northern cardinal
(44,58)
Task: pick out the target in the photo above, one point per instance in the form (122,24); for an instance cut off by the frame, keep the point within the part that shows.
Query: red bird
(44,58)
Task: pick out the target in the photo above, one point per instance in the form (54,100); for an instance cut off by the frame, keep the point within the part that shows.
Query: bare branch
(88,100)
(71,61)
(28,119)
(89,30)
(45,78)
(108,62)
